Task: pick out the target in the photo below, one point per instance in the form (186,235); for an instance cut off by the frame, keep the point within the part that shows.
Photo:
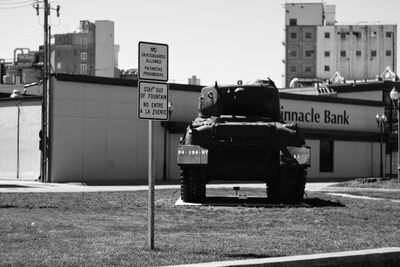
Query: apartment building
(91,51)
(317,46)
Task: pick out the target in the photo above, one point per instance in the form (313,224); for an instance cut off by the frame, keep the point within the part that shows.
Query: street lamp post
(394,95)
(381,119)
(170,109)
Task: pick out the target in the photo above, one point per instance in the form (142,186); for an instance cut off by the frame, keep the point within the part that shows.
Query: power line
(15,7)
(17,2)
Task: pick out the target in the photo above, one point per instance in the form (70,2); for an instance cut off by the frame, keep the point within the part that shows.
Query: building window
(358,53)
(293,35)
(83,68)
(292,22)
(307,69)
(84,40)
(388,53)
(309,53)
(342,35)
(357,34)
(293,69)
(327,54)
(326,156)
(373,53)
(327,35)
(308,35)
(327,68)
(343,53)
(389,34)
(293,53)
(83,56)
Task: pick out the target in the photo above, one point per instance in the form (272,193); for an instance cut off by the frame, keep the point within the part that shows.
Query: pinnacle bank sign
(327,115)
(312,116)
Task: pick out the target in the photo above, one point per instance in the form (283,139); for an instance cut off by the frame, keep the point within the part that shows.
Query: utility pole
(44,97)
(45,78)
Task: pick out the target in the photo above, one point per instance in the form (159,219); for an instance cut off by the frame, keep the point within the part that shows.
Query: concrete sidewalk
(389,257)
(26,186)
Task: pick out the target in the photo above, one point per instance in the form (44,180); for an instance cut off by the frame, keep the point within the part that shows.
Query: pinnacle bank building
(95,135)
(342,133)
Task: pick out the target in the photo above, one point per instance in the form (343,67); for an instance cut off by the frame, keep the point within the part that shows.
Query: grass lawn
(111,228)
(373,183)
(376,194)
(371,188)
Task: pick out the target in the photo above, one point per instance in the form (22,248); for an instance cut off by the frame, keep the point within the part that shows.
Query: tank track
(193,184)
(289,187)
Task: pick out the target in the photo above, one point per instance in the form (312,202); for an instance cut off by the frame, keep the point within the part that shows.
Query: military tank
(239,136)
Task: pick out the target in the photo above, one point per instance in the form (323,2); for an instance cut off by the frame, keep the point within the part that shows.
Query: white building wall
(390,44)
(343,45)
(8,148)
(368,95)
(96,135)
(366,39)
(104,49)
(185,105)
(305,13)
(19,138)
(325,44)
(351,160)
(373,44)
(330,14)
(116,58)
(358,63)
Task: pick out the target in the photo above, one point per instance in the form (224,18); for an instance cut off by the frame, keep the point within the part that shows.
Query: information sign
(153,61)
(153,100)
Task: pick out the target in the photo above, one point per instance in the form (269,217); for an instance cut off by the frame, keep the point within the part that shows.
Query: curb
(353,189)
(369,257)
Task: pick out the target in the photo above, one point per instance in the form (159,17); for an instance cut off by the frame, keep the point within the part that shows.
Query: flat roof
(364,86)
(329,99)
(197,88)
(121,82)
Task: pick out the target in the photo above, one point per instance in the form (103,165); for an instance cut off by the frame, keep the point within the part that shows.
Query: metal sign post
(152,105)
(150,203)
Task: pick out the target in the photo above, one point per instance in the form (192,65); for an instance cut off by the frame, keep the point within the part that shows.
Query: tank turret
(261,99)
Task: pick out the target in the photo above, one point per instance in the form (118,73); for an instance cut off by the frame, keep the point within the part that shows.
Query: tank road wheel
(289,186)
(193,184)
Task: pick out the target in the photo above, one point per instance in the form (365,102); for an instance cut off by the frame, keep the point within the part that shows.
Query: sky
(217,40)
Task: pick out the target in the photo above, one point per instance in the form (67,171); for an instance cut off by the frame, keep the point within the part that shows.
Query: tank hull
(250,144)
